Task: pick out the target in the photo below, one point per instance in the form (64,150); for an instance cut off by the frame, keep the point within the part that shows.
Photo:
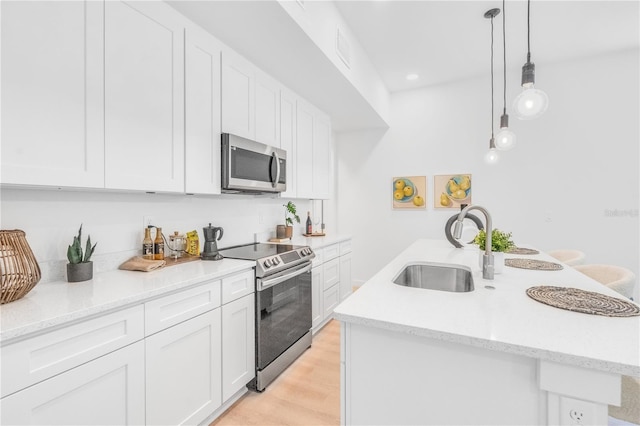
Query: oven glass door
(283,316)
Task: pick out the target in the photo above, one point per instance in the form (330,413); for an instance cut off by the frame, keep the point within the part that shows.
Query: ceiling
(450,40)
(439,40)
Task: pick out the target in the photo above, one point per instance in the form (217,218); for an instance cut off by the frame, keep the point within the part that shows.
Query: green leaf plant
(290,213)
(500,241)
(74,252)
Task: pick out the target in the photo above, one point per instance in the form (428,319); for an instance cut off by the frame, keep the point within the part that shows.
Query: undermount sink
(436,276)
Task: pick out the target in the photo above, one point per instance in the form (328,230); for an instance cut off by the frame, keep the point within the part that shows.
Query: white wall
(51,218)
(555,189)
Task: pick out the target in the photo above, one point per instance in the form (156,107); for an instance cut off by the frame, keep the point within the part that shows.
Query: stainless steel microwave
(250,166)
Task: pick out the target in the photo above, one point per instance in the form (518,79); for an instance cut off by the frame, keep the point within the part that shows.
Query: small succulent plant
(74,252)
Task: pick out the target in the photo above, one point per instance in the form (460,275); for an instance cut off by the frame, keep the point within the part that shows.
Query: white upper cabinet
(202,112)
(313,152)
(288,140)
(52,93)
(267,109)
(321,156)
(304,149)
(238,95)
(144,97)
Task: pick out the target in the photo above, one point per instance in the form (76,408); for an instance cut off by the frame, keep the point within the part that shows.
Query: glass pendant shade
(530,103)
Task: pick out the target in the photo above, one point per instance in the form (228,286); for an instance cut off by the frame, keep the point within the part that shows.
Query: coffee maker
(211,237)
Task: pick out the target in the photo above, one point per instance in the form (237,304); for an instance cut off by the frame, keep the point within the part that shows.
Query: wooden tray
(170,261)
(315,234)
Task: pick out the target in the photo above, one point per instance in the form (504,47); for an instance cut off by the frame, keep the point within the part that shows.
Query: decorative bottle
(147,245)
(158,245)
(309,227)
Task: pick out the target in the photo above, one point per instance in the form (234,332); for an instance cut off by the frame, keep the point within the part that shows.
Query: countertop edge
(12,335)
(610,367)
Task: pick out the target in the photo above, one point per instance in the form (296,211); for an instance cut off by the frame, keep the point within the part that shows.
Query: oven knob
(267,263)
(275,261)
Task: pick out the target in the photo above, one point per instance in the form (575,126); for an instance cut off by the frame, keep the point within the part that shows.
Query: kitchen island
(489,356)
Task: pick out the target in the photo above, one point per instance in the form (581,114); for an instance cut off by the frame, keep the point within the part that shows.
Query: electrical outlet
(147,220)
(577,412)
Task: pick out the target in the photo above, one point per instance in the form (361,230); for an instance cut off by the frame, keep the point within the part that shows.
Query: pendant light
(531,102)
(492,156)
(505,139)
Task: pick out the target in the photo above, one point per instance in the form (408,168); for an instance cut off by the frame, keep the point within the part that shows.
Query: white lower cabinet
(238,344)
(107,390)
(317,312)
(330,281)
(183,369)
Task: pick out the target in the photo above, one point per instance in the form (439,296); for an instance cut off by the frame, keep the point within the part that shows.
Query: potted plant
(500,243)
(290,213)
(80,266)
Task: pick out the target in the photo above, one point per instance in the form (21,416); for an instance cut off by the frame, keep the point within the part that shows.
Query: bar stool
(569,257)
(616,278)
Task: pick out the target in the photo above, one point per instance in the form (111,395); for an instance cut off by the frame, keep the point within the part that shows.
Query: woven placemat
(522,250)
(587,302)
(538,265)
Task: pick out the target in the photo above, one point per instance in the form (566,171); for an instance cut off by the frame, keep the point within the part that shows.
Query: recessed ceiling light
(412,77)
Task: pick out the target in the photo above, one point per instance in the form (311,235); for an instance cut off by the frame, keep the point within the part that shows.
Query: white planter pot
(498,261)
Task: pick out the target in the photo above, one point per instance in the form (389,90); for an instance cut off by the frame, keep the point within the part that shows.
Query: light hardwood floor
(307,393)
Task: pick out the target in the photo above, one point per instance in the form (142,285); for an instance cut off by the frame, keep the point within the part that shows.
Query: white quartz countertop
(56,303)
(503,319)
(318,242)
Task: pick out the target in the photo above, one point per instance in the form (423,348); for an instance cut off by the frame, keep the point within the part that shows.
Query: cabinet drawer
(236,286)
(331,273)
(175,308)
(319,259)
(331,252)
(345,247)
(331,299)
(32,360)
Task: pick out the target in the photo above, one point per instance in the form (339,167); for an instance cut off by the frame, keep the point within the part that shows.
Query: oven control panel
(282,261)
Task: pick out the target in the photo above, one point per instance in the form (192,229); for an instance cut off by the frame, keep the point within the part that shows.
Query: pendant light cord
(504,57)
(492,77)
(528,30)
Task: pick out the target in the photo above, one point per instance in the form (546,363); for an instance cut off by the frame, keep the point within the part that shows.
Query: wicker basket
(18,266)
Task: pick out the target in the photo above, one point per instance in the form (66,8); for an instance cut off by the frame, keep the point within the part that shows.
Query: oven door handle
(270,282)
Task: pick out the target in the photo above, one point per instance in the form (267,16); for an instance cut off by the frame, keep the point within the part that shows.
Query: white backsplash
(50,219)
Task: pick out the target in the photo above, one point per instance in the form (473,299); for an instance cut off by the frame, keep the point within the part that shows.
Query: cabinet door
(144,97)
(321,156)
(288,140)
(316,297)
(331,271)
(238,95)
(267,109)
(202,112)
(331,298)
(345,276)
(52,93)
(183,367)
(238,345)
(107,390)
(304,147)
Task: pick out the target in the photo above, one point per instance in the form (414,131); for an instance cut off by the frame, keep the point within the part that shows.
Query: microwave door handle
(277,178)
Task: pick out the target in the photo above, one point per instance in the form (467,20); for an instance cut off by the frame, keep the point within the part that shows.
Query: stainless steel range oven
(283,305)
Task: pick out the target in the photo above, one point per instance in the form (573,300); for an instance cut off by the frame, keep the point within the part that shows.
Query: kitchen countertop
(56,303)
(503,319)
(318,242)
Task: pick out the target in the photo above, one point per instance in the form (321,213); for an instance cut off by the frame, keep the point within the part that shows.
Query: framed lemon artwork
(409,192)
(450,191)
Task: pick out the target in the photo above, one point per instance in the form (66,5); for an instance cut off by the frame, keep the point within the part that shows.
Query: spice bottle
(309,226)
(147,245)
(158,245)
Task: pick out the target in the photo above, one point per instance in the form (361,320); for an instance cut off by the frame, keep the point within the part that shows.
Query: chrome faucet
(487,258)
